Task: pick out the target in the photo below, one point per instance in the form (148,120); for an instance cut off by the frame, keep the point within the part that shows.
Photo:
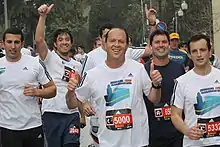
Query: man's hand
(195,133)
(88,110)
(155,75)
(44,9)
(151,15)
(30,90)
(73,82)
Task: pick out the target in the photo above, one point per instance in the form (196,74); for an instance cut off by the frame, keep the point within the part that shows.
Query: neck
(114,63)
(204,70)
(13,60)
(66,57)
(161,62)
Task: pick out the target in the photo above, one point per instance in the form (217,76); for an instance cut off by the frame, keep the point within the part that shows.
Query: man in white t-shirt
(62,125)
(80,56)
(20,119)
(116,88)
(197,94)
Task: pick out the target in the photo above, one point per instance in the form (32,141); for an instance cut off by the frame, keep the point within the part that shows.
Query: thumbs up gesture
(44,9)
(155,75)
(73,81)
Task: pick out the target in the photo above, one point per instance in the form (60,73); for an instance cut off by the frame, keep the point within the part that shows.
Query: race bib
(120,119)
(211,126)
(163,113)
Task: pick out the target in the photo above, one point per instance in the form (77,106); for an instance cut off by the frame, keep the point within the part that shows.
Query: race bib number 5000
(211,126)
(120,119)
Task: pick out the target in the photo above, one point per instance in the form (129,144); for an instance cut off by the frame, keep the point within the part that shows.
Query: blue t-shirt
(179,57)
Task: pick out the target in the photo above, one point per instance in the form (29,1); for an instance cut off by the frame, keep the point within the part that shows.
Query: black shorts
(25,138)
(165,141)
(61,129)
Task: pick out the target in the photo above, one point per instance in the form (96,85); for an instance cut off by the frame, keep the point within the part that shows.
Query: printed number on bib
(119,119)
(210,126)
(163,113)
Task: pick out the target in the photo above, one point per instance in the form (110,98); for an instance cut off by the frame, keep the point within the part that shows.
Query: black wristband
(156,87)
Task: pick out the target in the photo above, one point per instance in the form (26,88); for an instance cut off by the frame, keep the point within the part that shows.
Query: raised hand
(73,82)
(151,15)
(155,75)
(44,9)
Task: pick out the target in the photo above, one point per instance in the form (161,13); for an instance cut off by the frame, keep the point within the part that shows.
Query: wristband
(156,87)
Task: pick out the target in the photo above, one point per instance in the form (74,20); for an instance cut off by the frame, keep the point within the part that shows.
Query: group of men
(129,104)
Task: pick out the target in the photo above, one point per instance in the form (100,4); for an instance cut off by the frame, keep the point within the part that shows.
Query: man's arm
(42,47)
(177,120)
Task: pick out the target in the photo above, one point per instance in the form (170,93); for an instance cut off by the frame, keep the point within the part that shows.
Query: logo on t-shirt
(2,70)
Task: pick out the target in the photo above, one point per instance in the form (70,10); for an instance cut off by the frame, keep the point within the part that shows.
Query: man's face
(80,50)
(98,43)
(174,44)
(184,47)
(199,53)
(63,44)
(116,44)
(160,46)
(13,45)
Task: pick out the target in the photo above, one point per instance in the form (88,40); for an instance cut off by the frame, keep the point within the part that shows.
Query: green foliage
(124,13)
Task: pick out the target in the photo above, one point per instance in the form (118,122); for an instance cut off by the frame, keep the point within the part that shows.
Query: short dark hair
(121,28)
(61,32)
(15,31)
(106,26)
(158,32)
(81,46)
(198,37)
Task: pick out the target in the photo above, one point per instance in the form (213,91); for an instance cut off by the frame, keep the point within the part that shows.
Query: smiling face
(160,46)
(200,53)
(116,44)
(13,45)
(63,44)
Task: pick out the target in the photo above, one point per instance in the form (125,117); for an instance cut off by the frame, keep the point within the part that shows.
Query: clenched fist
(155,75)
(73,81)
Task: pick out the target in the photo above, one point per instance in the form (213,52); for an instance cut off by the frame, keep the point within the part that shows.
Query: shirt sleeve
(136,54)
(43,76)
(87,64)
(145,81)
(178,95)
(84,91)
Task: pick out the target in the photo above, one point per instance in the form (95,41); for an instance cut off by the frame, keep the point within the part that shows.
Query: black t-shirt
(162,126)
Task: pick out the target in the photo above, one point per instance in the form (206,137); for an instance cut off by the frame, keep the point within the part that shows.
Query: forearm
(40,30)
(71,100)
(46,93)
(179,123)
(155,95)
(80,107)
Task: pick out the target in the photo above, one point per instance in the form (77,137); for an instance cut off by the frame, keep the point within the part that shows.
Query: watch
(158,86)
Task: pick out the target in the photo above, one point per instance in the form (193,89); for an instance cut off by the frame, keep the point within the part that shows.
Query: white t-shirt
(99,55)
(25,51)
(59,70)
(112,90)
(199,97)
(80,57)
(19,112)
